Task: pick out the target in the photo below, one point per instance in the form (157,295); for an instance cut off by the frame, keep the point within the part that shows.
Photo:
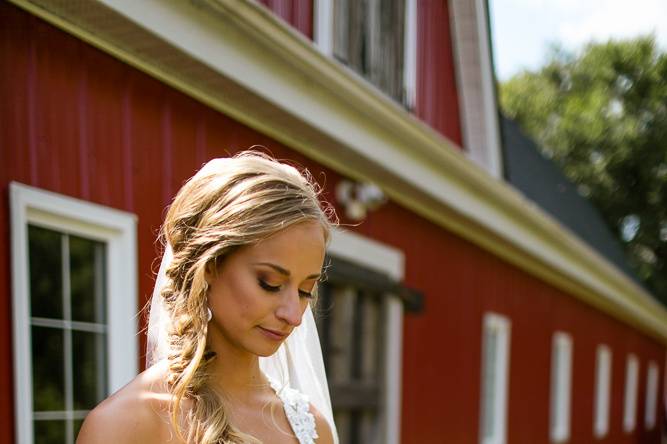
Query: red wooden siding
(442,345)
(78,122)
(298,13)
(437,98)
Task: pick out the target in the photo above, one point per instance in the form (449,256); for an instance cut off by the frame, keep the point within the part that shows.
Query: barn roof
(542,181)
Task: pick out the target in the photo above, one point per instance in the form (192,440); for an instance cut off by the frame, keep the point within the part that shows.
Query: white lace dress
(297,410)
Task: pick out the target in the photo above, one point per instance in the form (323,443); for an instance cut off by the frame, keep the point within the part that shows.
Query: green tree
(601,115)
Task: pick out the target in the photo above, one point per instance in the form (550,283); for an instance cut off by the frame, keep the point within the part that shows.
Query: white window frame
(410,54)
(561,386)
(651,395)
(376,256)
(603,365)
(117,230)
(631,389)
(502,326)
(323,24)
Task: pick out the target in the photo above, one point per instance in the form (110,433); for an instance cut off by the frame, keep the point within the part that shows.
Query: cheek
(242,298)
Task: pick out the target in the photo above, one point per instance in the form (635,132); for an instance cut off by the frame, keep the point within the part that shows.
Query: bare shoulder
(322,427)
(137,413)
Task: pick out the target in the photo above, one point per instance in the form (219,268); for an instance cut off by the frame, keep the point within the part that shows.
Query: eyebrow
(284,271)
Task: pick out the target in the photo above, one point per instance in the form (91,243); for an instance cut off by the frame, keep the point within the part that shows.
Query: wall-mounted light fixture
(359,198)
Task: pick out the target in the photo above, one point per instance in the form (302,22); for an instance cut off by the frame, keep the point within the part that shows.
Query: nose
(290,310)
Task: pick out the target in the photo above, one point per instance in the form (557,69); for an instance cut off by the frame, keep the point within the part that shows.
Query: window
(376,39)
(631,385)
(651,395)
(602,387)
(360,317)
(495,378)
(74,305)
(561,377)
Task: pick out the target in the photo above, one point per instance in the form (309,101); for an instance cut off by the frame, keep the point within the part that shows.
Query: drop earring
(209,313)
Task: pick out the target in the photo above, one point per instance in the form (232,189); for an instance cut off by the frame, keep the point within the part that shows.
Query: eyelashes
(276,288)
(267,287)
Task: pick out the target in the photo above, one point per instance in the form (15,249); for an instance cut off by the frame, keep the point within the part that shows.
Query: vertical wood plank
(344,301)
(371,350)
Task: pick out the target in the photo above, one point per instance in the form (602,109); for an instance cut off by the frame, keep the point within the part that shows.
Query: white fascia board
(279,83)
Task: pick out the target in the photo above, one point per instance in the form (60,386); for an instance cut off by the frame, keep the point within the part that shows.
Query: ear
(211,271)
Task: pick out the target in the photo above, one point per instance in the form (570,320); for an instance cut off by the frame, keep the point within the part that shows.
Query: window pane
(603,381)
(631,386)
(45,258)
(77,427)
(89,369)
(49,432)
(490,365)
(87,279)
(47,369)
(651,395)
(368,37)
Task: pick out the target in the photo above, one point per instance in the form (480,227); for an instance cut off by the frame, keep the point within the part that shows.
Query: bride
(233,354)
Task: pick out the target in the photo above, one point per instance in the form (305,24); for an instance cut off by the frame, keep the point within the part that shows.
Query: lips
(273,334)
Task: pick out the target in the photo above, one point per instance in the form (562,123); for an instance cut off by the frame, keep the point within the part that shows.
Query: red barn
(456,311)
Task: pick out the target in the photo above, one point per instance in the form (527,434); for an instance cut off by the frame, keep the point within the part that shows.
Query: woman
(233,350)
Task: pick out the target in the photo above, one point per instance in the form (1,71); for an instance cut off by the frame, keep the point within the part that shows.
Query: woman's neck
(236,372)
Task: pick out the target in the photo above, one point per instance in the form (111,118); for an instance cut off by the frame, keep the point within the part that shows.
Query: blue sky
(522,30)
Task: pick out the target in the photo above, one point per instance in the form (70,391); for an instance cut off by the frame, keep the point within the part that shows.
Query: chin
(267,351)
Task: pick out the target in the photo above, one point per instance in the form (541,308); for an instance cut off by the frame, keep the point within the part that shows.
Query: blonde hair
(230,203)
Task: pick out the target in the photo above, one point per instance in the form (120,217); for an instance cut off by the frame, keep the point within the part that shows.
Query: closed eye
(267,287)
(306,294)
(276,288)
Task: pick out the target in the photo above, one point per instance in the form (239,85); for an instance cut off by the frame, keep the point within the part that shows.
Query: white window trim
(65,214)
(371,254)
(323,25)
(651,395)
(561,386)
(603,365)
(494,321)
(410,54)
(630,398)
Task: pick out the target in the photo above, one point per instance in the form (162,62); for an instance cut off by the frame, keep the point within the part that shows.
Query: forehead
(298,248)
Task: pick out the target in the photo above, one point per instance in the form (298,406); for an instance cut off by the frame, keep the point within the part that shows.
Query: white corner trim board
(238,58)
(476,84)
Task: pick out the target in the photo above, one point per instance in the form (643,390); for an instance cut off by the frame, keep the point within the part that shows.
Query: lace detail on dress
(297,410)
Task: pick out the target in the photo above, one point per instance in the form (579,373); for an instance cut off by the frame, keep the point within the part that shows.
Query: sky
(523,30)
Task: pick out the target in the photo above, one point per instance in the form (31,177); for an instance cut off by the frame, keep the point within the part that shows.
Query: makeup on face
(272,278)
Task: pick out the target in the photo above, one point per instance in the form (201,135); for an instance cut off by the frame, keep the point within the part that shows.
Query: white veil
(298,362)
